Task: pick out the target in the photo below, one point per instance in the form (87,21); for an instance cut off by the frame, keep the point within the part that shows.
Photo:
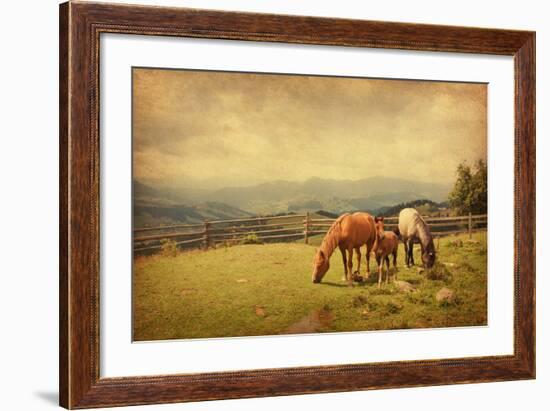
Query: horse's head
(428,256)
(320,266)
(379,227)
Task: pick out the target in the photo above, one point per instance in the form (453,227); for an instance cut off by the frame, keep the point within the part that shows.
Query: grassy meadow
(266,289)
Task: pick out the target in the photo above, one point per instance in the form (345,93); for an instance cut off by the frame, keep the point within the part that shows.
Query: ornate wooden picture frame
(80,27)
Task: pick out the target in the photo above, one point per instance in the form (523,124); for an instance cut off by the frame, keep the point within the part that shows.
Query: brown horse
(386,243)
(349,232)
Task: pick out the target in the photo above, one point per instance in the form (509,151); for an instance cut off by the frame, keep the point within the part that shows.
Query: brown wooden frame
(80,27)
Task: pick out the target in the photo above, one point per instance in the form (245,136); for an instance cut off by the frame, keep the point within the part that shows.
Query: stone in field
(445,295)
(260,311)
(404,286)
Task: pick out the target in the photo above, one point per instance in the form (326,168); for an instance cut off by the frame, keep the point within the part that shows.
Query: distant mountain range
(154,205)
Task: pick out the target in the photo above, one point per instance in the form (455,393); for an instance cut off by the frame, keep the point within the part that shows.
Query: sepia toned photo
(273,204)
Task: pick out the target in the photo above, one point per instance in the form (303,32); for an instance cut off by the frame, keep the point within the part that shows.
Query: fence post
(306,228)
(470,225)
(206,234)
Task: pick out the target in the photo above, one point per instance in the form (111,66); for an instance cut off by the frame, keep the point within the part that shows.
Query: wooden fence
(275,229)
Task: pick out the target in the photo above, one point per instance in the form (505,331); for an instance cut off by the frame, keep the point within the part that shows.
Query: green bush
(251,239)
(393,307)
(458,243)
(168,248)
(224,244)
(438,272)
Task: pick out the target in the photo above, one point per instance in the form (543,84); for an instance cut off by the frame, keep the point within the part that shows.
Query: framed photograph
(259,205)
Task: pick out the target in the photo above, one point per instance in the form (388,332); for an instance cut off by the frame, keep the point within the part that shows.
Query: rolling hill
(281,196)
(154,207)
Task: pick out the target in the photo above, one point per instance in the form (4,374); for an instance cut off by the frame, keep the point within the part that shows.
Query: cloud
(219,128)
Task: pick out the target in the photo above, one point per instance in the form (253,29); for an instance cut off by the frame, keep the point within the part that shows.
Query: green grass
(266,289)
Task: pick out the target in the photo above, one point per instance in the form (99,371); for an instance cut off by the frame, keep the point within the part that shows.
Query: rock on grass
(260,311)
(445,296)
(404,286)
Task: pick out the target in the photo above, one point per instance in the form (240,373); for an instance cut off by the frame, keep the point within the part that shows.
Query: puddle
(315,321)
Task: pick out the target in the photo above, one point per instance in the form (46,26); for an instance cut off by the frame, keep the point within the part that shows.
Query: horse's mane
(336,225)
(330,241)
(420,222)
(425,234)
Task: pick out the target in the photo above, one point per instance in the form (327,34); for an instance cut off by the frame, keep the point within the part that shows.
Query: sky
(207,129)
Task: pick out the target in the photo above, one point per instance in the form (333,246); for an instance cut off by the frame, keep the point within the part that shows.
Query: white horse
(413,229)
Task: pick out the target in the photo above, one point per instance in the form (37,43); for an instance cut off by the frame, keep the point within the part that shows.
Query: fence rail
(276,229)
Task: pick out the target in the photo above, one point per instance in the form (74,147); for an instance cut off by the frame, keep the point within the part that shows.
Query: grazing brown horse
(386,243)
(349,232)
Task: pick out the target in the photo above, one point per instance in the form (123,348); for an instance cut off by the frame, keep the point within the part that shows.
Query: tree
(479,188)
(469,194)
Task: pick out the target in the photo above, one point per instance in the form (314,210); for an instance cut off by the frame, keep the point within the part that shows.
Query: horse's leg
(358,252)
(369,250)
(379,263)
(350,267)
(395,264)
(387,269)
(411,251)
(406,253)
(344,259)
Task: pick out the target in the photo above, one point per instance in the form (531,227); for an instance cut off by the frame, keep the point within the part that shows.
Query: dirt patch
(315,321)
(358,278)
(260,311)
(187,291)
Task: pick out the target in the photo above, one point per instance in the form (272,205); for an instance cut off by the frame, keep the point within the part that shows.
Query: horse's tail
(397,232)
